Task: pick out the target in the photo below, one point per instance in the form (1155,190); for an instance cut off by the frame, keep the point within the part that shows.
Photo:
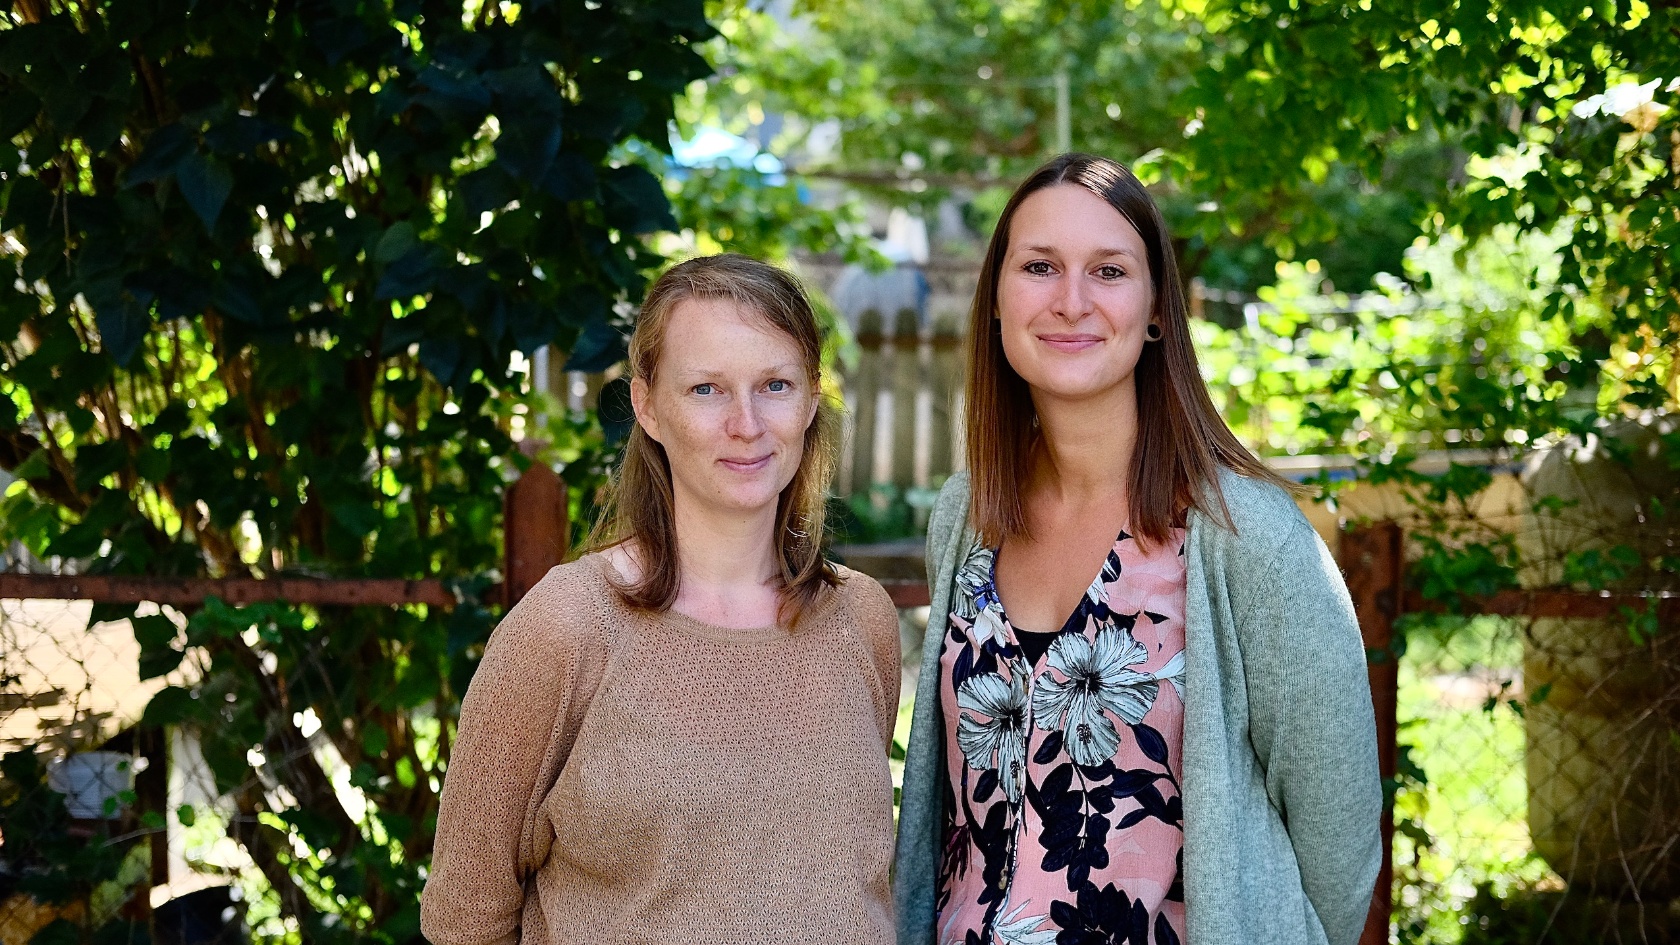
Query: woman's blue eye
(702,389)
(779,386)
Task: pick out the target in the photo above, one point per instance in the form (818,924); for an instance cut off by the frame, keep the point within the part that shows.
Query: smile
(746,465)
(1070,342)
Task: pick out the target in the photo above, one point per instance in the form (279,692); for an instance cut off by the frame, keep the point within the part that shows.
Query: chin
(1076,387)
(749,500)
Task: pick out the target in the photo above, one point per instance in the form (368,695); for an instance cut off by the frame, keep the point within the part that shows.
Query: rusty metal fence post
(535,529)
(1373,560)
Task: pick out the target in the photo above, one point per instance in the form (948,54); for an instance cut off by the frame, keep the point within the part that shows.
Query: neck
(723,552)
(1083,443)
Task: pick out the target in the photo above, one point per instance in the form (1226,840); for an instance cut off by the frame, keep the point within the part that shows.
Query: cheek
(686,430)
(1016,301)
(1130,306)
(789,419)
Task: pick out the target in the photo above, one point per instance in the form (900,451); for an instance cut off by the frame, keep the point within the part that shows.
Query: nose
(1072,301)
(744,422)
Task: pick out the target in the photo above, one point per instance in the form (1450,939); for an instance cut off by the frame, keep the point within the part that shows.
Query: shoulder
(1263,516)
(1270,554)
(864,600)
(950,510)
(559,613)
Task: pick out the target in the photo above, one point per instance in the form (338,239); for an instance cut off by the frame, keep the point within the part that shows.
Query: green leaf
(81,420)
(18,109)
(374,740)
(358,518)
(186,815)
(159,662)
(152,464)
(171,706)
(156,635)
(165,149)
(397,242)
(635,200)
(37,465)
(98,460)
(123,323)
(205,184)
(599,347)
(412,274)
(153,630)
(405,772)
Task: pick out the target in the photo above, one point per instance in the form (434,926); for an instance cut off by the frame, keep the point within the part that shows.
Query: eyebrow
(1052,251)
(778,370)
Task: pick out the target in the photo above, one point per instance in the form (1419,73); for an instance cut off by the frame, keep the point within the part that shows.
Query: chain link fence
(1538,781)
(101,819)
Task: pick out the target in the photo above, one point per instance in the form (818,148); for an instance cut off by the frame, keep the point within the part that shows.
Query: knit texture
(624,777)
(1282,797)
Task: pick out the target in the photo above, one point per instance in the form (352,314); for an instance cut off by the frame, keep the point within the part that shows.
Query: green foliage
(277,267)
(1456,355)
(1556,104)
(766,216)
(915,101)
(884,513)
(61,867)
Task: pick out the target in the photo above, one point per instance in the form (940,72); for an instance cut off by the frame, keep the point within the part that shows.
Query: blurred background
(311,340)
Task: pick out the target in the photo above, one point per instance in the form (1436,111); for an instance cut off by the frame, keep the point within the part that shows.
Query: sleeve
(1312,725)
(880,620)
(502,763)
(921,815)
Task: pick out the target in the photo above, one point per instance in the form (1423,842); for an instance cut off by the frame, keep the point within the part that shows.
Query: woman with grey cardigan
(1142,714)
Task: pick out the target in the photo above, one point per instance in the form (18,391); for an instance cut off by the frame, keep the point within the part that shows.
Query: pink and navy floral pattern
(1064,821)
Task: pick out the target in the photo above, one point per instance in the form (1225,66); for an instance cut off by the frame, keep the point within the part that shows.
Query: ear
(642,406)
(816,401)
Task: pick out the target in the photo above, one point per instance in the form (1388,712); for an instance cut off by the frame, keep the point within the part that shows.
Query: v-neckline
(1084,595)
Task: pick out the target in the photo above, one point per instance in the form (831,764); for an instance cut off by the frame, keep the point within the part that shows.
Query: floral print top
(1064,820)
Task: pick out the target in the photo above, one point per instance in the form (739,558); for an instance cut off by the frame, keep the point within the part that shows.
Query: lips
(746,464)
(1070,341)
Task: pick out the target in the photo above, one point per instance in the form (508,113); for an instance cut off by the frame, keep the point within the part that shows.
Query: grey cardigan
(1282,798)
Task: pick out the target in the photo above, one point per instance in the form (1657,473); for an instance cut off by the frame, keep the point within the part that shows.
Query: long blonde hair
(639,506)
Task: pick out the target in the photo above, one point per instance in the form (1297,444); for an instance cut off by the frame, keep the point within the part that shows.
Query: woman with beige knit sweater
(683,736)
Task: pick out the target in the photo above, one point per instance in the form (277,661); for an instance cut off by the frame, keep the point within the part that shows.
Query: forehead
(723,335)
(1070,218)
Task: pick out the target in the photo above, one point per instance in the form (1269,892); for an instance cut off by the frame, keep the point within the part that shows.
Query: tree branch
(265,844)
(17,446)
(33,11)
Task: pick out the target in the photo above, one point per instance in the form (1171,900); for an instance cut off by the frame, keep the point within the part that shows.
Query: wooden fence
(903,411)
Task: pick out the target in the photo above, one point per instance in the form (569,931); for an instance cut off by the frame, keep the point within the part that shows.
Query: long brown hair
(640,505)
(1182,441)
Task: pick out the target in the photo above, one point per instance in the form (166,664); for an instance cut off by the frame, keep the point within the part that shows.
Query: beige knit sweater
(625,777)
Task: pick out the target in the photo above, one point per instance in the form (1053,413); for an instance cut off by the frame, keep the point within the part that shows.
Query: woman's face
(1074,294)
(730,401)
